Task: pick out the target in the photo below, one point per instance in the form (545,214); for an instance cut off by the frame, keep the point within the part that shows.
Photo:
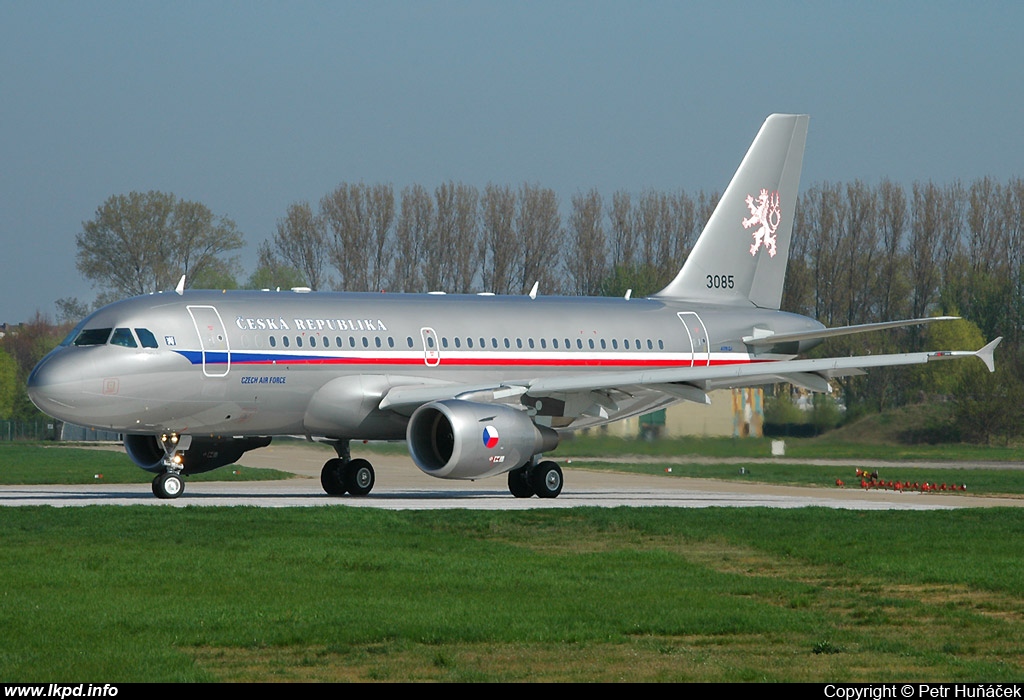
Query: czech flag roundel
(490,437)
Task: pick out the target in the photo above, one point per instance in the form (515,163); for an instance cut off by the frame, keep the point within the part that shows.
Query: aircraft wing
(680,382)
(747,374)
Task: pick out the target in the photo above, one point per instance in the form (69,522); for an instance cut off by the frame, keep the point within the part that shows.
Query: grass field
(26,463)
(118,594)
(121,594)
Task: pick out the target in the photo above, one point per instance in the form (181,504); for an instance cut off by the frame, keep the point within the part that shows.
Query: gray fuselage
(251,363)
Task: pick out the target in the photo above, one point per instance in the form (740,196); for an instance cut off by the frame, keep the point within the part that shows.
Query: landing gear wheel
(519,482)
(546,479)
(331,477)
(359,477)
(168,485)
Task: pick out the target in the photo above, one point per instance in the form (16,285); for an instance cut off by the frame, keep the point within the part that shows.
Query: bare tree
(587,258)
(987,243)
(654,227)
(415,223)
(685,229)
(860,244)
(798,292)
(380,209)
(539,233)
(623,246)
(360,218)
(466,272)
(301,240)
(452,257)
(498,239)
(927,252)
(344,212)
(892,220)
(824,215)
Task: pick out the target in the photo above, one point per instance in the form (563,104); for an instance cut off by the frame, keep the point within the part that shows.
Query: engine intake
(457,439)
(203,455)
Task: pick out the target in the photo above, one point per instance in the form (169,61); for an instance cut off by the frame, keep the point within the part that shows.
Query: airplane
(477,385)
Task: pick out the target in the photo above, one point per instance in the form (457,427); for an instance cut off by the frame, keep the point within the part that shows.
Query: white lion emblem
(765,213)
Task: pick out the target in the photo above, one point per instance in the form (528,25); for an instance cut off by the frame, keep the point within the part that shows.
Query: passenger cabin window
(124,338)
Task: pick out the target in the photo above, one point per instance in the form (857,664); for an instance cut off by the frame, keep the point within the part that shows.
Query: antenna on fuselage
(533,292)
(180,289)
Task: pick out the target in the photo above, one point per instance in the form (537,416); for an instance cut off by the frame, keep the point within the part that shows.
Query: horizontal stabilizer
(761,340)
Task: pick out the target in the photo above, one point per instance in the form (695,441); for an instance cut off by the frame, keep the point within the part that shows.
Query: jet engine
(457,439)
(203,455)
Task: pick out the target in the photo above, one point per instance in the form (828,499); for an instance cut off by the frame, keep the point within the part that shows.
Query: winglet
(986,354)
(180,289)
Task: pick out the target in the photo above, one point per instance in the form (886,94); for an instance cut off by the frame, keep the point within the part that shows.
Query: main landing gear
(543,480)
(346,475)
(169,484)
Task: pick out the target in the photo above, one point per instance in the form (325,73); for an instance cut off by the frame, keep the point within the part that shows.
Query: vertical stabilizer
(741,256)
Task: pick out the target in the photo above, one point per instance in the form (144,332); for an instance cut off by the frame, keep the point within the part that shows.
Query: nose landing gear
(170,484)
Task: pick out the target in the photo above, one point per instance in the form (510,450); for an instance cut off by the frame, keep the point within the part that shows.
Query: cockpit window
(146,337)
(93,336)
(124,338)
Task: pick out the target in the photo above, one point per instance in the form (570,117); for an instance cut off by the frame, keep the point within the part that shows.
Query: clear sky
(250,106)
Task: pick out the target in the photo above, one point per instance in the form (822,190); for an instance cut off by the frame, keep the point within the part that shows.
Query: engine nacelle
(456,439)
(203,455)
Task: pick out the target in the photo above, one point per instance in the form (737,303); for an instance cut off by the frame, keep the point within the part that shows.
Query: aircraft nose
(55,385)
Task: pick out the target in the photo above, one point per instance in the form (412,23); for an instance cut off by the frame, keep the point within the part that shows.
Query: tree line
(461,239)
(860,253)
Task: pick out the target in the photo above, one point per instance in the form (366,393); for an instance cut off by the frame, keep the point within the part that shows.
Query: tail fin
(741,256)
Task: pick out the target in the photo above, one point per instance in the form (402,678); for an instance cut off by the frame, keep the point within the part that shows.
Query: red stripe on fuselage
(449,361)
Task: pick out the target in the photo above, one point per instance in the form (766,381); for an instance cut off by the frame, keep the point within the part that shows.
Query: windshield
(93,336)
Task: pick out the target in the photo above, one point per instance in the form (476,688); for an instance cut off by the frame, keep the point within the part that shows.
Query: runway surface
(401,486)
